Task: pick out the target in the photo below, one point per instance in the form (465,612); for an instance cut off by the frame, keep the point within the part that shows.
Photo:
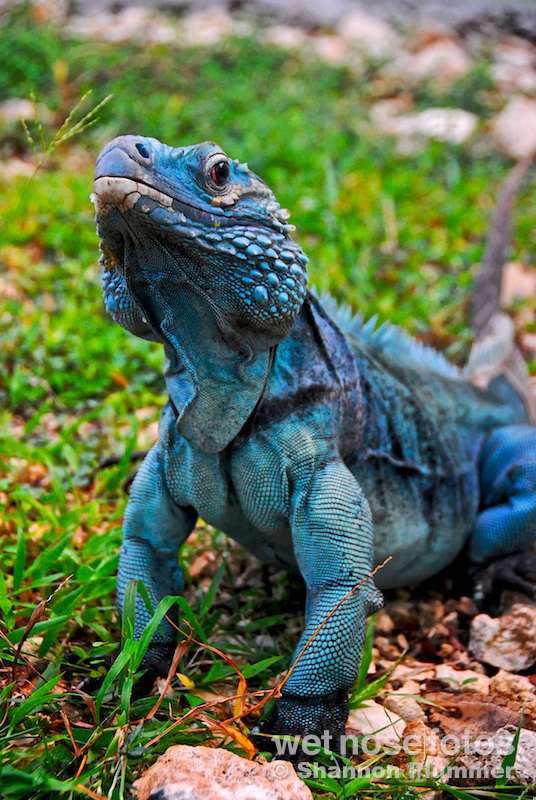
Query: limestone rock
(128,24)
(518,283)
(454,125)
(287,37)
(514,687)
(444,60)
(208,27)
(507,642)
(50,11)
(514,129)
(372,35)
(514,67)
(207,773)
(331,49)
(320,14)
(491,750)
(15,109)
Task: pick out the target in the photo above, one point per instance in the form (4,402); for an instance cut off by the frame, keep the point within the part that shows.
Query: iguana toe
(323,718)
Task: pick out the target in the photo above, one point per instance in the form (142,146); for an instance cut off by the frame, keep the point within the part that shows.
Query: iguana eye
(220,174)
(142,150)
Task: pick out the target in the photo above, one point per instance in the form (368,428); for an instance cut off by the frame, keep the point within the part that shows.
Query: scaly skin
(283,431)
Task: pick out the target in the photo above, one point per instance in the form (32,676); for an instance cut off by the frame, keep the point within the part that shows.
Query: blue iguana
(320,442)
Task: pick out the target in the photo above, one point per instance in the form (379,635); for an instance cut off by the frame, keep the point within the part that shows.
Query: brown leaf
(475,715)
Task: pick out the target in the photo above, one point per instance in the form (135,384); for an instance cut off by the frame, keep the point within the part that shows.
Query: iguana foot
(321,717)
(156,662)
(516,572)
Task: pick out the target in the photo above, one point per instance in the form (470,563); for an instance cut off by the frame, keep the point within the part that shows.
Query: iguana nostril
(142,150)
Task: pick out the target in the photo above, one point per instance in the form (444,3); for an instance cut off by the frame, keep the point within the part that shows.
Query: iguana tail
(495,361)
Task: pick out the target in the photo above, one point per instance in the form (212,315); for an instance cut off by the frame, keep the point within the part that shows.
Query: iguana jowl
(318,443)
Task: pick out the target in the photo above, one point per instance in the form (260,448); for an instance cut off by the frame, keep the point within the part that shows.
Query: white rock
(445,60)
(515,52)
(16,108)
(288,37)
(331,49)
(15,167)
(206,28)
(517,688)
(128,24)
(514,67)
(513,79)
(518,283)
(507,642)
(207,773)
(453,125)
(373,719)
(372,35)
(320,13)
(498,744)
(514,129)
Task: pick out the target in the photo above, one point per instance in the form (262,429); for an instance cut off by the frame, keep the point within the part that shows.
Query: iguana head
(211,222)
(204,250)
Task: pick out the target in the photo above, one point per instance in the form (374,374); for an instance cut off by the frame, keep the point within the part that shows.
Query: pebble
(444,60)
(508,641)
(208,773)
(514,687)
(514,65)
(452,125)
(375,37)
(499,744)
(514,129)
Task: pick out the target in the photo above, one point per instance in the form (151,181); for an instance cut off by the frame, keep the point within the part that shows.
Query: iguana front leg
(154,528)
(333,543)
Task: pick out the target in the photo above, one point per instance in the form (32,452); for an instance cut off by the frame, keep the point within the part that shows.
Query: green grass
(397,236)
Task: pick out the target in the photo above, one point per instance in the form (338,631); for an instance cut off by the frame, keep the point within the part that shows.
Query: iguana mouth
(122,181)
(124,193)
